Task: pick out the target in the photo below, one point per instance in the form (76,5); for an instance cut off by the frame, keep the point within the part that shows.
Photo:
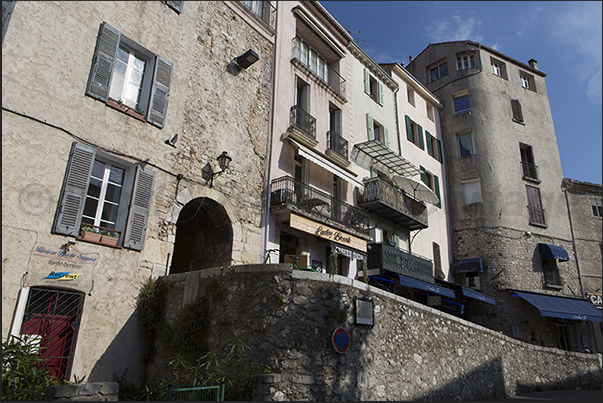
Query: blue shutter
(408,128)
(175,5)
(421,142)
(436,182)
(160,92)
(367,82)
(7,12)
(102,62)
(140,206)
(68,217)
(369,127)
(380,93)
(429,145)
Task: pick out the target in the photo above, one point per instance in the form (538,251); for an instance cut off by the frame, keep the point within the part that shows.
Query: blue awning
(468,292)
(422,285)
(548,251)
(562,307)
(472,265)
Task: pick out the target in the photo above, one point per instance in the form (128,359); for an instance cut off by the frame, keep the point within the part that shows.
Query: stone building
(113,116)
(509,227)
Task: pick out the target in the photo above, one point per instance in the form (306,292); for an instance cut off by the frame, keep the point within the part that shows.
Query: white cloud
(526,21)
(593,92)
(460,27)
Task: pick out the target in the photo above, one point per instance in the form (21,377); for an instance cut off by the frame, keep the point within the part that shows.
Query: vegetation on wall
(333,263)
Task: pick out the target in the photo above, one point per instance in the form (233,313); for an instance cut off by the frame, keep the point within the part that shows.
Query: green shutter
(408,128)
(429,145)
(369,127)
(160,91)
(440,158)
(380,93)
(436,182)
(68,217)
(140,206)
(423,174)
(102,63)
(367,82)
(421,142)
(386,137)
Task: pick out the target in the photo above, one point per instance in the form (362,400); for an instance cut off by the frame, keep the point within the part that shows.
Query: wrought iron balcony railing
(303,121)
(537,215)
(530,171)
(399,207)
(337,144)
(388,257)
(286,190)
(302,53)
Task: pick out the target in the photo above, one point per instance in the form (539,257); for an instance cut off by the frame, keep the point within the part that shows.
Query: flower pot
(109,240)
(91,236)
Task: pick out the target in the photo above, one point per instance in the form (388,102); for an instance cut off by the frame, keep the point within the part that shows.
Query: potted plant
(91,234)
(109,237)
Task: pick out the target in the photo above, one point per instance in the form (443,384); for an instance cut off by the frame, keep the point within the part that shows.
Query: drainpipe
(268,170)
(397,120)
(565,186)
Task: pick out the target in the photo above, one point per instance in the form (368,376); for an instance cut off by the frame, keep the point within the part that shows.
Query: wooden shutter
(436,184)
(516,108)
(409,135)
(7,12)
(421,142)
(440,157)
(68,217)
(423,175)
(367,82)
(160,92)
(369,127)
(140,206)
(380,93)
(385,137)
(429,145)
(175,5)
(102,62)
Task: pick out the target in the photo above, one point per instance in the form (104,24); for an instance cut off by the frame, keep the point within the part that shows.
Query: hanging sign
(341,340)
(326,232)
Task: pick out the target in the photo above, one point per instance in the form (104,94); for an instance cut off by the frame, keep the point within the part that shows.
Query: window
(302,95)
(530,170)
(527,81)
(177,5)
(376,131)
(461,103)
(414,133)
(498,68)
(465,144)
(373,88)
(471,280)
(466,61)
(410,94)
(102,191)
(437,262)
(434,146)
(472,192)
(552,276)
(516,110)
(7,12)
(432,181)
(596,205)
(310,58)
(430,113)
(535,210)
(130,75)
(257,7)
(439,71)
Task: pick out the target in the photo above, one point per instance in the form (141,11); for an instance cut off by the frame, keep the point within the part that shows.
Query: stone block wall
(90,392)
(412,352)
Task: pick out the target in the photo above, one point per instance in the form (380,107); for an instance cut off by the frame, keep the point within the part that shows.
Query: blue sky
(563,36)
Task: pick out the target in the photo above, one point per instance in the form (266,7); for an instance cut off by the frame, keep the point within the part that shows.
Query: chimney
(409,59)
(533,64)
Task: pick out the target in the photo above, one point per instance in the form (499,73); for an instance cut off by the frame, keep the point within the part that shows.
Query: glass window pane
(86,220)
(122,55)
(461,104)
(94,188)
(90,207)
(108,225)
(443,69)
(116,175)
(110,212)
(113,193)
(98,170)
(138,64)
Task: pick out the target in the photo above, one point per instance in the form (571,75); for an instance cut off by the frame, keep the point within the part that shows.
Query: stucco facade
(50,102)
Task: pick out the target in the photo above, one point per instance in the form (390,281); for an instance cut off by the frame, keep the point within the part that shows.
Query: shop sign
(594,299)
(326,232)
(352,254)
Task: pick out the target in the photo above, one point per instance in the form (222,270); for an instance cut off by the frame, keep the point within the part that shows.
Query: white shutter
(369,127)
(102,62)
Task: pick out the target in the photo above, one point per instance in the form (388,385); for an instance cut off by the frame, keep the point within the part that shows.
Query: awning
(472,265)
(385,157)
(422,285)
(468,292)
(324,163)
(561,307)
(548,251)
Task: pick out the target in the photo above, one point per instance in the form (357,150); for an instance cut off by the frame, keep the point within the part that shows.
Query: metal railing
(337,143)
(329,76)
(303,121)
(196,394)
(388,257)
(537,215)
(530,171)
(286,190)
(378,190)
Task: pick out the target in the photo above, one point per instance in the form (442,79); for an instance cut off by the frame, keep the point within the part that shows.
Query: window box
(127,110)
(91,234)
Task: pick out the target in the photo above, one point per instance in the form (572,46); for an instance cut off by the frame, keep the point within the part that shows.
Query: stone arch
(204,234)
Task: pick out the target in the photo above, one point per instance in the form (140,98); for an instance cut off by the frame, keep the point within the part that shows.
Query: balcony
(530,171)
(310,62)
(388,257)
(390,202)
(302,126)
(295,195)
(537,216)
(337,145)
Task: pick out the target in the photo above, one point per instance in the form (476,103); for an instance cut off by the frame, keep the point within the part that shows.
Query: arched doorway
(203,237)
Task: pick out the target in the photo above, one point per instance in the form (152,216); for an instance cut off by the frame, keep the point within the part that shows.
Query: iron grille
(303,121)
(337,144)
(197,394)
(551,275)
(530,171)
(53,317)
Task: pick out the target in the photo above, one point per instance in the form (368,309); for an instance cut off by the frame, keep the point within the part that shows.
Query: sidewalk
(583,395)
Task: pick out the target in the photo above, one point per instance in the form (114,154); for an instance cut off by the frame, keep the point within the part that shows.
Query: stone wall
(412,352)
(92,392)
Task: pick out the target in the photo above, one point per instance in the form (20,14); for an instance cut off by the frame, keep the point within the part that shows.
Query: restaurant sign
(326,232)
(594,299)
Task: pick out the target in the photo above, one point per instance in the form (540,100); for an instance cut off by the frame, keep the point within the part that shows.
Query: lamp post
(223,162)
